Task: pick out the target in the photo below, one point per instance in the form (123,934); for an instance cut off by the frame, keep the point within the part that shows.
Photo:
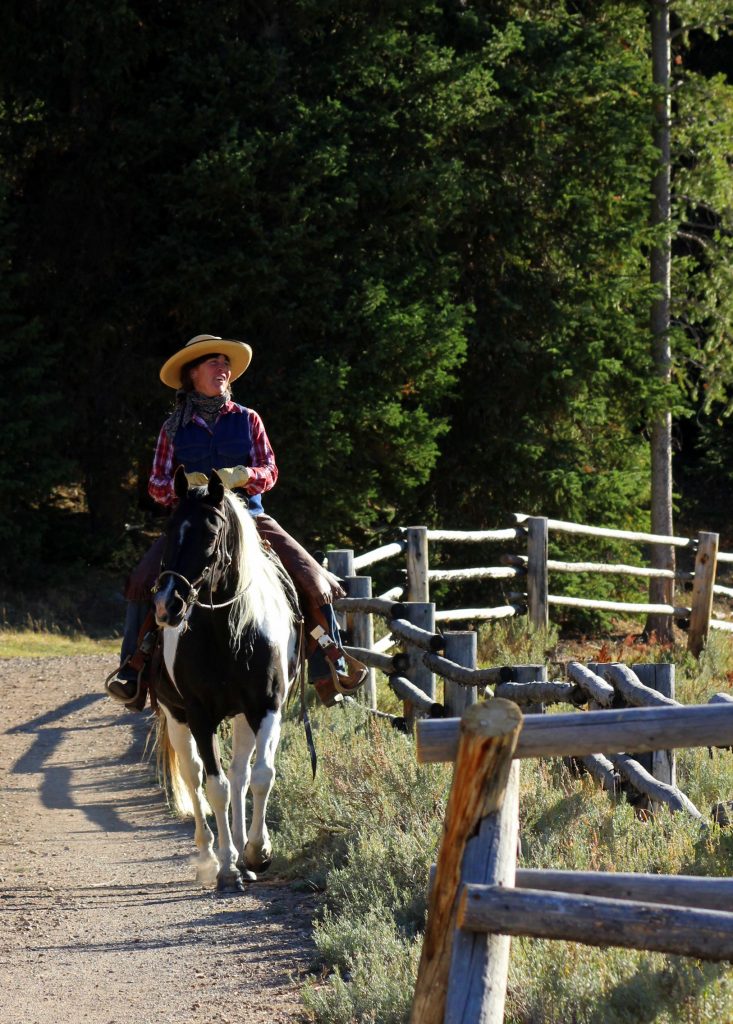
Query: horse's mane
(261,580)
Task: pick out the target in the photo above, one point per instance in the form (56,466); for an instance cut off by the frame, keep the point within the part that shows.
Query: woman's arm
(263,471)
(160,484)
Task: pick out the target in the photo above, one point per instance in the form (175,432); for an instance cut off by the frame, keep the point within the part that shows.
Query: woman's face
(211,378)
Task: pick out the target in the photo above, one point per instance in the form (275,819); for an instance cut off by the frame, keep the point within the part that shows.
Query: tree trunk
(661,591)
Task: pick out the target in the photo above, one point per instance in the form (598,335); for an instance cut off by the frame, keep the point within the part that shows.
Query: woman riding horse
(208,431)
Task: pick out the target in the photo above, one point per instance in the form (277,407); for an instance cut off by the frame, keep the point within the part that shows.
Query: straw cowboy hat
(204,345)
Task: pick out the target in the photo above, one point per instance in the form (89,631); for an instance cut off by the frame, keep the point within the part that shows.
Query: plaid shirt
(263,469)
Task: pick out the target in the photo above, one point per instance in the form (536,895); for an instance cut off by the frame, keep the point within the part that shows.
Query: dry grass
(31,644)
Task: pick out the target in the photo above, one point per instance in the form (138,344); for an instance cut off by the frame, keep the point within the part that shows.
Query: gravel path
(100,919)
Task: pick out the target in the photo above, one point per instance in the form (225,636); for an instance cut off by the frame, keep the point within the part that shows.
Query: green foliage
(382,967)
(558,272)
(610,986)
(366,777)
(29,643)
(703,283)
(293,186)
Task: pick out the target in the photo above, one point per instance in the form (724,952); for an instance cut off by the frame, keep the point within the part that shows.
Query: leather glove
(197,479)
(234,476)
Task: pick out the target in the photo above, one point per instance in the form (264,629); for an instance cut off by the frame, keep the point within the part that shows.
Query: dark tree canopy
(429,219)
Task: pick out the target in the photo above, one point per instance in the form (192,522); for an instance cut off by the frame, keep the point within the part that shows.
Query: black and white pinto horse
(230,650)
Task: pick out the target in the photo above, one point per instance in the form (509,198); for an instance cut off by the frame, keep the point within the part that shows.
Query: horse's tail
(169,771)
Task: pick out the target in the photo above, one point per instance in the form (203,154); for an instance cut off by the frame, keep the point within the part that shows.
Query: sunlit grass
(31,644)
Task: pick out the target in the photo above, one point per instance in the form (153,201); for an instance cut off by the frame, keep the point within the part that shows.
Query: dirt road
(100,919)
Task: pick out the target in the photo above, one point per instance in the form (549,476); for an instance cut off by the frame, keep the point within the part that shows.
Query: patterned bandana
(190,404)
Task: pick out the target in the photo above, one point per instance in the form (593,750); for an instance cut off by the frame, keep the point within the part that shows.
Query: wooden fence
(533,568)
(478,897)
(649,779)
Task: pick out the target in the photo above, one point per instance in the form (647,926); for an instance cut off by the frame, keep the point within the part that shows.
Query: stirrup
(332,690)
(113,678)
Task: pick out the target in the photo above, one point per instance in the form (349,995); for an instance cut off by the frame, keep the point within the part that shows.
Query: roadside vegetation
(74,613)
(28,643)
(366,831)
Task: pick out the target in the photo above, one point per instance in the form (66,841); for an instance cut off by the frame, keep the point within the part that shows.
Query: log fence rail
(649,773)
(535,568)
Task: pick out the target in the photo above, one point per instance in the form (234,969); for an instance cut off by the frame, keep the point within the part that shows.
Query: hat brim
(238,353)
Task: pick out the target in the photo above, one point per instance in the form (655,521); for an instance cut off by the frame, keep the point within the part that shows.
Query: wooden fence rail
(651,775)
(535,567)
(597,921)
(606,732)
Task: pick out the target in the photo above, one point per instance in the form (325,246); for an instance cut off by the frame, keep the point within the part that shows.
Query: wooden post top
(491,718)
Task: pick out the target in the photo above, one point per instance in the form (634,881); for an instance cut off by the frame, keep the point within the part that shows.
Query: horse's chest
(230,681)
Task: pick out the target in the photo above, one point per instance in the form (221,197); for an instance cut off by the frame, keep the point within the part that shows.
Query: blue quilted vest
(200,450)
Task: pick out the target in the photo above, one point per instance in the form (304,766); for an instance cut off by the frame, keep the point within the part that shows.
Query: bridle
(194,586)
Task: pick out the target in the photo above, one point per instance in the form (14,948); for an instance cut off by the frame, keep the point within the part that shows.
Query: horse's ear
(216,488)
(180,483)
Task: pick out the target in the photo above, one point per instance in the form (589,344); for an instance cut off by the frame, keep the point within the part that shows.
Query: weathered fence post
(341,563)
(361,629)
(661,763)
(422,615)
(480,963)
(702,592)
(418,586)
(488,737)
(537,543)
(460,647)
(530,674)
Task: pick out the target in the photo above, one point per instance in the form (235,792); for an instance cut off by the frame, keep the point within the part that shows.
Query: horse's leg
(258,850)
(243,743)
(192,771)
(217,793)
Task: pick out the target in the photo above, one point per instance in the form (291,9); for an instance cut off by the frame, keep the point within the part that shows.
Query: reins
(304,717)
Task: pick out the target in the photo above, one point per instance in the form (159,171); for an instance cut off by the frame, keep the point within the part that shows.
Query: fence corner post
(537,543)
(488,738)
(702,591)
(479,969)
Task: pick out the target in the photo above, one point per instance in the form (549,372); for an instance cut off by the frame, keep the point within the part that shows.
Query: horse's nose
(161,611)
(169,607)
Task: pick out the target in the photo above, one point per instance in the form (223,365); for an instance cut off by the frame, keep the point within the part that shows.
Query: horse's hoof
(247,874)
(261,867)
(230,883)
(260,863)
